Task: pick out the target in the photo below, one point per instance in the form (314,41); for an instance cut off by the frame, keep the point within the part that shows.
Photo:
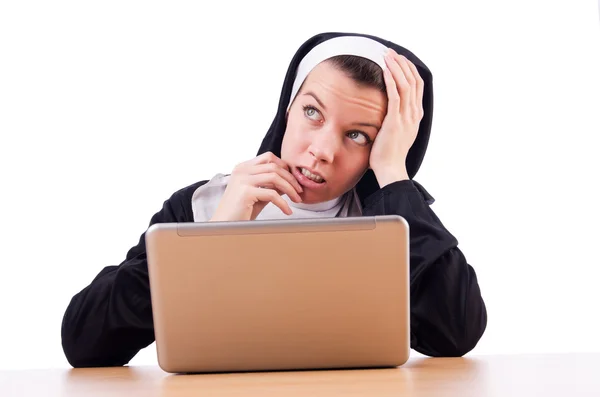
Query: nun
(349,135)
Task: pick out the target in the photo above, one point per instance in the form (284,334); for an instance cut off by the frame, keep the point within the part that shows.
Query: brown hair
(362,70)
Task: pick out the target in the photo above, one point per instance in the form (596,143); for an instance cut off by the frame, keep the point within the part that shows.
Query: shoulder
(180,202)
(187,192)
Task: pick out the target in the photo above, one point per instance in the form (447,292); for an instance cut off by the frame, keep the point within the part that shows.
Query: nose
(324,146)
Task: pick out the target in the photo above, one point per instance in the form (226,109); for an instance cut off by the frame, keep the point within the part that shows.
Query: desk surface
(538,375)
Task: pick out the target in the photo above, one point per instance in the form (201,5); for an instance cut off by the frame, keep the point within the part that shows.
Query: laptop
(270,295)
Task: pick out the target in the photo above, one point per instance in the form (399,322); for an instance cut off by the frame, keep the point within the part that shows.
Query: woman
(349,135)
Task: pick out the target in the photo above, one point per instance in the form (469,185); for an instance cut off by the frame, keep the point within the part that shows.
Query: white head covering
(206,198)
(342,45)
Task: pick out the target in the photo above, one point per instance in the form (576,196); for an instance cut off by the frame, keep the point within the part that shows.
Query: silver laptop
(324,293)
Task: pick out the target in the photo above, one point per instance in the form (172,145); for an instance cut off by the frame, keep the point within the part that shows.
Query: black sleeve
(110,320)
(448,314)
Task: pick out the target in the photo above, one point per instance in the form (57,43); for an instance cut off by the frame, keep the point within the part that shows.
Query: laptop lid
(280,295)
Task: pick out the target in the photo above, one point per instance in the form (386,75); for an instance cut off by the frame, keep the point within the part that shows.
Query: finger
(276,180)
(269,195)
(410,95)
(400,79)
(269,157)
(272,167)
(272,187)
(403,62)
(420,86)
(392,92)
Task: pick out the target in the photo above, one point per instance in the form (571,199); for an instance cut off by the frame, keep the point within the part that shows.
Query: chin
(312,198)
(316,198)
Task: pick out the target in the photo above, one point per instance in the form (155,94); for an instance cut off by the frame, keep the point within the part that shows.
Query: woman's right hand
(255,183)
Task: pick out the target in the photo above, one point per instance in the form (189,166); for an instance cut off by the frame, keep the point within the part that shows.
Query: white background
(107,108)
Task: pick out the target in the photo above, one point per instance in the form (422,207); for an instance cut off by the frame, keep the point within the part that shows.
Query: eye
(361,137)
(312,113)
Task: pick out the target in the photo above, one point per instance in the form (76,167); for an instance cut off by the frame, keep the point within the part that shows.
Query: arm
(448,315)
(110,320)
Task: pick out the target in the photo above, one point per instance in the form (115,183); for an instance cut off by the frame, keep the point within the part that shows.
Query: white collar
(324,206)
(207,197)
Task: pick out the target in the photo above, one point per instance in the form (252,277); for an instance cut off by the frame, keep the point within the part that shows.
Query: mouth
(313,176)
(308,178)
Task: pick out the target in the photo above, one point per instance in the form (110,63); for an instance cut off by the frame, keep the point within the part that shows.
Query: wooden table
(511,375)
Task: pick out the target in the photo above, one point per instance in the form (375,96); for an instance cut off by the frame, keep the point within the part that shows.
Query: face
(331,126)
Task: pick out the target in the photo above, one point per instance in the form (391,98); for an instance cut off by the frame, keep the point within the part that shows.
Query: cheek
(361,166)
(288,145)
(285,144)
(293,139)
(354,167)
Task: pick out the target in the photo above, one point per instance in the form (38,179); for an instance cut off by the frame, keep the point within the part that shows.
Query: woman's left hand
(401,124)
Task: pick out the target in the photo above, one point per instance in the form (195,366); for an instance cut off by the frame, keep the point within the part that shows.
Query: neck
(322,206)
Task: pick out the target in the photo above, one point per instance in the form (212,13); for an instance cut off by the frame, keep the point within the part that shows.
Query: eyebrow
(368,125)
(312,94)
